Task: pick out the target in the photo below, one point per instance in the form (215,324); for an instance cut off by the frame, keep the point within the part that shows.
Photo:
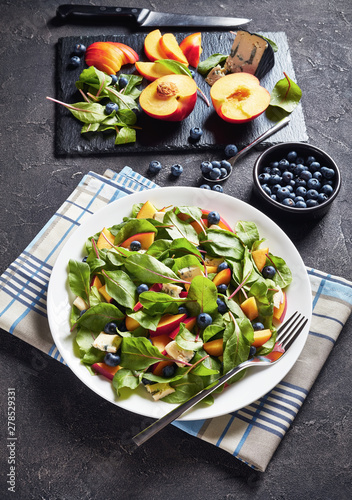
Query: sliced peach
(147,211)
(199,226)
(96,282)
(131,55)
(171,48)
(131,324)
(280,312)
(104,53)
(105,65)
(160,341)
(189,324)
(239,97)
(105,370)
(105,294)
(259,257)
(170,97)
(250,308)
(214,347)
(167,324)
(212,269)
(145,239)
(152,70)
(223,277)
(261,336)
(152,48)
(157,369)
(191,47)
(106,239)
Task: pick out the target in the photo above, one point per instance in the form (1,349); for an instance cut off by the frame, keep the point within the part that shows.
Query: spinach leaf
(125,378)
(179,228)
(202,296)
(236,349)
(219,242)
(185,388)
(160,303)
(78,279)
(149,269)
(121,288)
(139,353)
(187,340)
(130,228)
(205,66)
(283,276)
(84,340)
(286,95)
(96,317)
(125,135)
(247,232)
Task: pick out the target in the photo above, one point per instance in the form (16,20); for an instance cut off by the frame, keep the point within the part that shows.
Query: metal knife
(145,17)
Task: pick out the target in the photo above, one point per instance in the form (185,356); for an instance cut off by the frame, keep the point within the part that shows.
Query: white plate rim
(258,381)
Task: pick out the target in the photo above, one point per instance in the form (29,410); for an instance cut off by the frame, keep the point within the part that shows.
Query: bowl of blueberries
(296,179)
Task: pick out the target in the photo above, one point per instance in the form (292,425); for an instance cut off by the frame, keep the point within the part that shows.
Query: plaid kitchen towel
(251,434)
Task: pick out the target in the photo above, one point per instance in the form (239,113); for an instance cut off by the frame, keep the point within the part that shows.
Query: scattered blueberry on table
(75,61)
(154,167)
(176,170)
(196,133)
(79,49)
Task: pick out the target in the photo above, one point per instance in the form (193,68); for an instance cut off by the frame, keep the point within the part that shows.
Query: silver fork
(286,336)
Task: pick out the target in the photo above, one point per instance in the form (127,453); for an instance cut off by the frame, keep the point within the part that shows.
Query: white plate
(258,381)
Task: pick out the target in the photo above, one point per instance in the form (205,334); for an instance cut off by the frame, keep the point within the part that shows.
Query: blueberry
(196,133)
(298,169)
(266,170)
(79,49)
(169,371)
(252,351)
(314,166)
(268,272)
(216,164)
(301,204)
(223,173)
(301,191)
(176,170)
(142,288)
(222,266)
(273,197)
(75,62)
(85,258)
(204,320)
(322,197)
(306,175)
(110,328)
(312,203)
(310,160)
(123,81)
(274,179)
(300,182)
(263,178)
(213,217)
(300,159)
(328,173)
(275,171)
(318,175)
(222,288)
(218,188)
(327,189)
(312,194)
(283,164)
(205,186)
(227,165)
(154,167)
(274,164)
(288,202)
(112,359)
(214,173)
(287,176)
(111,107)
(135,246)
(258,326)
(266,189)
(275,188)
(292,155)
(113,79)
(122,326)
(313,184)
(222,307)
(182,310)
(206,167)
(230,150)
(289,187)
(282,193)
(298,198)
(82,312)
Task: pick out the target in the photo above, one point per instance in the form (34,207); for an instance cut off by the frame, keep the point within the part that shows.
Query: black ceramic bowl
(279,152)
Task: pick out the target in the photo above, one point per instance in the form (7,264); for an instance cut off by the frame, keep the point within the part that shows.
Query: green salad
(171,298)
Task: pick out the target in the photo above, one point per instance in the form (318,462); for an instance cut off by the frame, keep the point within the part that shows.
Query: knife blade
(145,17)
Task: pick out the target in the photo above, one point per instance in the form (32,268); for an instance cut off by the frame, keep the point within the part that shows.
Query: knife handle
(67,12)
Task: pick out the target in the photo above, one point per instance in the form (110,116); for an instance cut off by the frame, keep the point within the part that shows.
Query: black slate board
(160,136)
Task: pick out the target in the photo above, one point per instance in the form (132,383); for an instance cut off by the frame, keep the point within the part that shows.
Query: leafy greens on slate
(176,277)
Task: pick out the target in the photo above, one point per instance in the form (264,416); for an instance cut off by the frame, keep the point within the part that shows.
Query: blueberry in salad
(171,298)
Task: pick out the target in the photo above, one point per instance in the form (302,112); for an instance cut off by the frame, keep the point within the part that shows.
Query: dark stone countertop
(72,444)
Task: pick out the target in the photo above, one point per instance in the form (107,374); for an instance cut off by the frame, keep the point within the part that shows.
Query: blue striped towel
(251,434)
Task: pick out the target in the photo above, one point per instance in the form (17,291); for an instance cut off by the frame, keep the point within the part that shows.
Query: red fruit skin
(191,47)
(185,107)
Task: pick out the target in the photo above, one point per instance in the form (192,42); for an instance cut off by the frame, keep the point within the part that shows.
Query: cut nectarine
(167,324)
(260,337)
(239,97)
(170,98)
(223,277)
(171,48)
(250,308)
(106,239)
(214,347)
(152,70)
(104,293)
(259,257)
(279,312)
(105,370)
(145,239)
(147,211)
(152,48)
(131,324)
(191,46)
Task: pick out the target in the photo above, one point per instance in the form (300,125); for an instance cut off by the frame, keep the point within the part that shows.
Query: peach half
(169,98)
(191,46)
(152,70)
(239,97)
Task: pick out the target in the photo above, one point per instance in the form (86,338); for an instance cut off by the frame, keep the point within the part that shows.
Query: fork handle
(162,422)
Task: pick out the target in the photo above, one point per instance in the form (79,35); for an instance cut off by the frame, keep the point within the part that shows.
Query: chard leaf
(90,127)
(187,340)
(217,325)
(209,367)
(121,288)
(145,319)
(127,117)
(236,349)
(286,94)
(179,228)
(139,353)
(125,135)
(183,246)
(247,232)
(130,228)
(283,276)
(94,78)
(96,317)
(159,248)
(202,296)
(78,278)
(205,66)
(175,66)
(125,378)
(185,388)
(149,269)
(223,243)
(93,355)
(84,340)
(160,303)
(87,112)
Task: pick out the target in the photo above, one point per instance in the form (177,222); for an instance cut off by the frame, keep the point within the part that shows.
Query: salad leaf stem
(195,364)
(240,286)
(69,106)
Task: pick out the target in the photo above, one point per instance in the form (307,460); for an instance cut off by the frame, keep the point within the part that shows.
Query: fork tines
(289,332)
